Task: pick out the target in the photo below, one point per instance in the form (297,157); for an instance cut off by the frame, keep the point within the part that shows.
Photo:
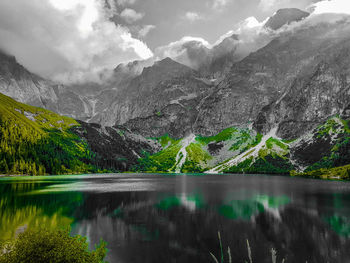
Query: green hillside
(36,141)
(242,150)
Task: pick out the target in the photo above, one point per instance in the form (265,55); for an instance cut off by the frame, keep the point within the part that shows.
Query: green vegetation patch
(225,135)
(35,141)
(340,173)
(43,245)
(165,140)
(272,142)
(162,161)
(331,126)
(340,152)
(197,154)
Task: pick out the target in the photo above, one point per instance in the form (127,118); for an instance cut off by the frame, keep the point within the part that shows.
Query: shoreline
(301,176)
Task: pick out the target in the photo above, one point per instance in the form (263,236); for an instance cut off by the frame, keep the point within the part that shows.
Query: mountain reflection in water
(153,218)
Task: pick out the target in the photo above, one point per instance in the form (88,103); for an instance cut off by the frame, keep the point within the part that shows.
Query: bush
(43,245)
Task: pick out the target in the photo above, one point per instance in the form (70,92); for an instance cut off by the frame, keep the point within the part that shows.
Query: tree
(44,245)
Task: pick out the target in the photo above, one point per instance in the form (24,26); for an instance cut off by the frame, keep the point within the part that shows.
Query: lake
(164,218)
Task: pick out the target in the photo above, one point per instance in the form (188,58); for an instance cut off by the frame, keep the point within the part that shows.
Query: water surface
(158,218)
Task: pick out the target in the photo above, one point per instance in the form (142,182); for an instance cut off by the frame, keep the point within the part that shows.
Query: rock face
(297,81)
(284,17)
(115,146)
(24,86)
(163,99)
(221,58)
(294,83)
(320,90)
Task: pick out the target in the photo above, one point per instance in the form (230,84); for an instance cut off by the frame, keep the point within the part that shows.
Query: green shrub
(45,245)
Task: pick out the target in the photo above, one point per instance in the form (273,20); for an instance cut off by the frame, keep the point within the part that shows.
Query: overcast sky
(208,19)
(74,40)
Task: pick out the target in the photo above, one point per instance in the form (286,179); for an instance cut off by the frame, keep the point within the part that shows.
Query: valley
(282,108)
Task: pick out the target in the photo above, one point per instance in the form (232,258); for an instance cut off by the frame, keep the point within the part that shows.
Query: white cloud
(126,2)
(251,36)
(130,15)
(267,4)
(334,6)
(66,40)
(111,4)
(274,5)
(218,4)
(192,16)
(190,51)
(145,30)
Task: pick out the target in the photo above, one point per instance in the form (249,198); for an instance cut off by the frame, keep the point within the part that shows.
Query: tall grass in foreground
(273,253)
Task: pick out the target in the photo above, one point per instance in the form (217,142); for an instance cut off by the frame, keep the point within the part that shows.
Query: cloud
(267,4)
(274,5)
(126,2)
(130,15)
(145,30)
(218,4)
(334,7)
(112,6)
(195,52)
(66,40)
(251,35)
(190,51)
(193,16)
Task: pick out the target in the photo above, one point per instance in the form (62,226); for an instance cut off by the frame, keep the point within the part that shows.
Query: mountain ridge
(279,93)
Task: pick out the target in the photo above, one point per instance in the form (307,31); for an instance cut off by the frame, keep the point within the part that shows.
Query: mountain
(37,141)
(221,57)
(282,108)
(284,17)
(163,99)
(293,83)
(192,53)
(243,150)
(24,86)
(20,84)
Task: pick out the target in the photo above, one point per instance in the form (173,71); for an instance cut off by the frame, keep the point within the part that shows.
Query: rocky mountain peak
(5,57)
(284,17)
(168,63)
(166,67)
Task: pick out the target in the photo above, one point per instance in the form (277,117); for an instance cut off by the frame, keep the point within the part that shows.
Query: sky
(83,40)
(208,19)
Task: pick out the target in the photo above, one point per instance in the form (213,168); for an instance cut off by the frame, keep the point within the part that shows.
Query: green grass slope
(242,150)
(36,141)
(202,154)
(339,173)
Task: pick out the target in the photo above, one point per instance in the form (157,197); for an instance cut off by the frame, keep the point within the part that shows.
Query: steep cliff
(163,99)
(280,84)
